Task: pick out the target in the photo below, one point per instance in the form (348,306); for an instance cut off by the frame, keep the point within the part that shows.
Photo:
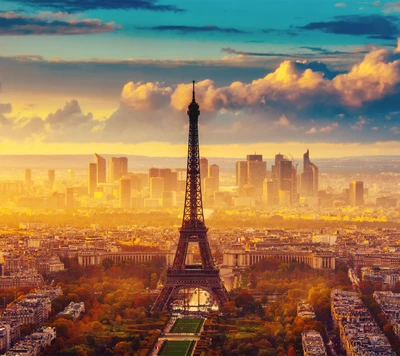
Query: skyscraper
(156,187)
(117,167)
(92,178)
(309,177)
(256,172)
(203,168)
(170,178)
(284,175)
(356,193)
(213,172)
(203,171)
(241,173)
(101,168)
(125,195)
(252,173)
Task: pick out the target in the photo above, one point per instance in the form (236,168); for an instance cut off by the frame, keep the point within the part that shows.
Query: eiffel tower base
(209,281)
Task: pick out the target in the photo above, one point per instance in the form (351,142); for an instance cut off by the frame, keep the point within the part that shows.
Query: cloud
(193,29)
(374,78)
(86,5)
(274,31)
(147,96)
(391,7)
(341,4)
(323,129)
(295,84)
(329,128)
(395,130)
(274,106)
(323,50)
(13,24)
(376,26)
(255,54)
(283,122)
(359,124)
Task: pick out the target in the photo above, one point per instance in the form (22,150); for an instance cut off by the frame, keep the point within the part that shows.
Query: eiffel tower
(193,230)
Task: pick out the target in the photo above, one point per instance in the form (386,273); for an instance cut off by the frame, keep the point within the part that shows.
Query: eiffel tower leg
(163,299)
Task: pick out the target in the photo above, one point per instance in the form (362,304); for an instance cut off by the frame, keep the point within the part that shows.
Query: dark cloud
(70,124)
(255,54)
(368,25)
(325,51)
(291,33)
(194,29)
(85,5)
(13,24)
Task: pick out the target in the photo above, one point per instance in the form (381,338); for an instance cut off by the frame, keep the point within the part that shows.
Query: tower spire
(193,93)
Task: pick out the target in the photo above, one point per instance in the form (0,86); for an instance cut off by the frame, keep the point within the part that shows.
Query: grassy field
(187,326)
(177,348)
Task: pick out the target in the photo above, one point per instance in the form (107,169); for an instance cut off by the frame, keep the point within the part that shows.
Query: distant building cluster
(386,276)
(359,333)
(27,278)
(33,344)
(73,310)
(18,263)
(390,305)
(33,309)
(313,344)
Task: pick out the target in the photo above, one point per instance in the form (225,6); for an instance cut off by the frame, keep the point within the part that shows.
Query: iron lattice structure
(180,275)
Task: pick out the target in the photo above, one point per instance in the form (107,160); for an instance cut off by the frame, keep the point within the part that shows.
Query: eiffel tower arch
(205,275)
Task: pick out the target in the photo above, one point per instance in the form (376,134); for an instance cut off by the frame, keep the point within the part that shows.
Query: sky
(114,77)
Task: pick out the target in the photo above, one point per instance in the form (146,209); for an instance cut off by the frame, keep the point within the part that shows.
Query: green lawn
(177,348)
(190,326)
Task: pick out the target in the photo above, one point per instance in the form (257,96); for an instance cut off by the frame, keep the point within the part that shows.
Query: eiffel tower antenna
(182,275)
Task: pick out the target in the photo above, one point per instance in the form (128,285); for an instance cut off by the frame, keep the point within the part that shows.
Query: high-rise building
(156,187)
(256,172)
(213,172)
(309,177)
(356,193)
(92,178)
(250,174)
(51,175)
(117,167)
(203,168)
(28,176)
(101,168)
(284,175)
(170,178)
(125,195)
(241,173)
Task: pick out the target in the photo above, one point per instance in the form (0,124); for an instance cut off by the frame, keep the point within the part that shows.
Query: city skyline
(115,78)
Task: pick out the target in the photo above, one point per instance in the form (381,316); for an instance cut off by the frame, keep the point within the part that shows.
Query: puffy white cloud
(372,79)
(295,83)
(146,96)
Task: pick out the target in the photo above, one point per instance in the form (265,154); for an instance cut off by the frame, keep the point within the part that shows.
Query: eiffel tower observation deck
(204,276)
